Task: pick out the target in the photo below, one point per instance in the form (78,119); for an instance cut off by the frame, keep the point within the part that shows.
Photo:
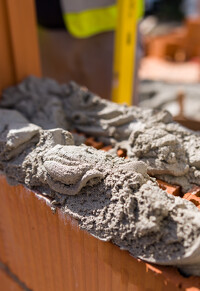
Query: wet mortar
(111,191)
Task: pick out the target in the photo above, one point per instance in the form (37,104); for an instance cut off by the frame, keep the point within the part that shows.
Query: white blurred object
(172,107)
(148,24)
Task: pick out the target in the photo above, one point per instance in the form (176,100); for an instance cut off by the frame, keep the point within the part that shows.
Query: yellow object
(90,22)
(129,11)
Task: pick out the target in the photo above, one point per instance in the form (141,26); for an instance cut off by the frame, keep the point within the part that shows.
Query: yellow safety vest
(85,18)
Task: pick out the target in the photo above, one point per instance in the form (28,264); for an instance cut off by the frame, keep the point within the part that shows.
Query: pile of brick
(180,45)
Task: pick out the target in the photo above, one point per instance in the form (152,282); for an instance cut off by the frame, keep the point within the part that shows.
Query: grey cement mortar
(112,198)
(171,152)
(163,96)
(49,105)
(40,101)
(168,157)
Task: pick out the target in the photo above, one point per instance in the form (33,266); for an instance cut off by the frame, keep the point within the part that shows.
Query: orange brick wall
(48,251)
(8,284)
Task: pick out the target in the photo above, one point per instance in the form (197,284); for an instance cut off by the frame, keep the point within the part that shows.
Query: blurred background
(167,59)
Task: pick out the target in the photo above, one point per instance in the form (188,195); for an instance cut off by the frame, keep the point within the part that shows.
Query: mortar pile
(113,198)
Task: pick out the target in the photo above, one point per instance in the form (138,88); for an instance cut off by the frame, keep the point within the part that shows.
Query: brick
(195,191)
(122,153)
(90,141)
(106,148)
(193,198)
(7,283)
(98,145)
(48,251)
(170,189)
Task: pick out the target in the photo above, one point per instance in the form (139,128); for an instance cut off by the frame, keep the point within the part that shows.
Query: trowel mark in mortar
(172,156)
(170,189)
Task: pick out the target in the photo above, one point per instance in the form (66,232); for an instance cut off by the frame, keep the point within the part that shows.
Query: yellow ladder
(129,11)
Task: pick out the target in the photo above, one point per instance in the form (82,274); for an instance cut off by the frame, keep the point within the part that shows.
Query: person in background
(77,41)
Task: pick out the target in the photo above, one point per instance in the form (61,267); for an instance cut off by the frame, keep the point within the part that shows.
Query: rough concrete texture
(47,104)
(163,96)
(114,199)
(171,152)
(40,101)
(117,199)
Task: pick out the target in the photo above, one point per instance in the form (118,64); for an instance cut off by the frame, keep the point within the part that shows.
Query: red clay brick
(90,141)
(40,255)
(170,189)
(195,191)
(122,153)
(7,283)
(98,145)
(193,198)
(106,148)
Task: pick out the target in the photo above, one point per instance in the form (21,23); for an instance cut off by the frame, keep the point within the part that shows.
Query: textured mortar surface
(163,96)
(171,152)
(114,199)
